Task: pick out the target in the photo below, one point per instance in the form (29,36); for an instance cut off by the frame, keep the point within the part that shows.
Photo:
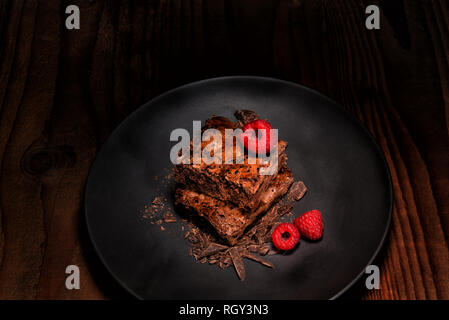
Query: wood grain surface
(62,92)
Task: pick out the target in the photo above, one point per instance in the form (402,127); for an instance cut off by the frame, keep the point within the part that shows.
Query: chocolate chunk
(238,263)
(245,116)
(297,191)
(258,259)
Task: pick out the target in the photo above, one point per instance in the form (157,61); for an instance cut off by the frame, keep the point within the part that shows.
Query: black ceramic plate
(346,176)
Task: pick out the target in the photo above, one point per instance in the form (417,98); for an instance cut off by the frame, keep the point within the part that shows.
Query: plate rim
(251,78)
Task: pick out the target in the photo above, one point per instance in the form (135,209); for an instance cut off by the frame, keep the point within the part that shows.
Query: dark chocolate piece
(297,191)
(238,263)
(213,248)
(245,116)
(259,259)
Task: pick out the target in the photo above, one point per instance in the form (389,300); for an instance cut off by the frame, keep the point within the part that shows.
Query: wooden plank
(63,92)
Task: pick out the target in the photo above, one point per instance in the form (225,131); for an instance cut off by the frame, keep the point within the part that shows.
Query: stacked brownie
(231,196)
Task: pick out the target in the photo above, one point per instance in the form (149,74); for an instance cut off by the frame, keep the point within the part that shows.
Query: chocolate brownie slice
(240,184)
(229,221)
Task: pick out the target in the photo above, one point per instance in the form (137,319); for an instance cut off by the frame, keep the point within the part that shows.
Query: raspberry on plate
(285,236)
(310,224)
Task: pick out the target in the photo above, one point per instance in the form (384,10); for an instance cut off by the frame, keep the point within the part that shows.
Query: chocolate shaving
(253,248)
(297,191)
(203,239)
(157,201)
(227,260)
(271,216)
(193,239)
(264,250)
(213,248)
(267,237)
(258,259)
(284,209)
(169,217)
(238,263)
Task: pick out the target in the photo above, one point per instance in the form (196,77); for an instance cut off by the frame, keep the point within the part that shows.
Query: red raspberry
(252,141)
(310,224)
(285,236)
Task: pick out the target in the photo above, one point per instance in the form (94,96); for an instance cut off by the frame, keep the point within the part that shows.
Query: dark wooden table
(62,92)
